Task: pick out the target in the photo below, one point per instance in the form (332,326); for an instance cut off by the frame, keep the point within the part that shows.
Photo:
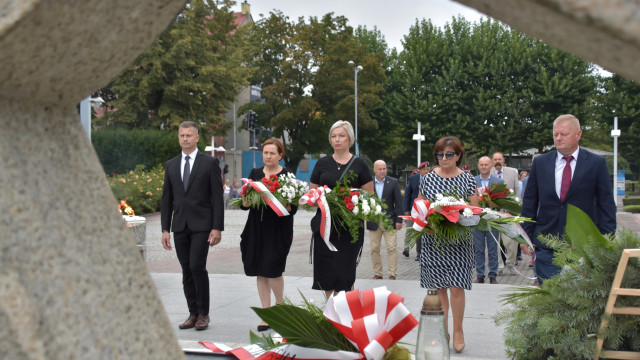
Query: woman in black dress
(267,237)
(448,267)
(334,271)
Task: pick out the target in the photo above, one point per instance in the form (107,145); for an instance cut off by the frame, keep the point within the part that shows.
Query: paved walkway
(233,293)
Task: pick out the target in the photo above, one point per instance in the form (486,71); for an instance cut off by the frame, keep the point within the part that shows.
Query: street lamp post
(85,112)
(355,85)
(615,133)
(419,138)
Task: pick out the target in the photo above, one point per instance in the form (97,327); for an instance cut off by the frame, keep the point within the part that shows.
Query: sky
(393,21)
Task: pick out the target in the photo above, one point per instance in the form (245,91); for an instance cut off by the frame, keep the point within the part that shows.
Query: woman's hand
(246,202)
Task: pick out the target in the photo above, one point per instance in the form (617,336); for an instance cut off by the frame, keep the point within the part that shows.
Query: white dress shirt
(192,159)
(560,164)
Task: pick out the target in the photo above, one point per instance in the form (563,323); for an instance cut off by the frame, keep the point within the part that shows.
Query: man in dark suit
(411,191)
(486,239)
(567,175)
(387,189)
(193,208)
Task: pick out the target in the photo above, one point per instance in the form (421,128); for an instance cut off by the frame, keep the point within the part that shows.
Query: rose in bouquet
(499,196)
(349,207)
(274,191)
(353,325)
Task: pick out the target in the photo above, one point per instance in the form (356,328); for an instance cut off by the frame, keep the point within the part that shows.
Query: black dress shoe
(493,281)
(189,323)
(480,280)
(263,327)
(203,322)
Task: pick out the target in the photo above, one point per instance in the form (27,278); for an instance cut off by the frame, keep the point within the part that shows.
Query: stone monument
(72,283)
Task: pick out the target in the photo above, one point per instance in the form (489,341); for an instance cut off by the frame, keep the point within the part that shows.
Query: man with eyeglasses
(510,177)
(486,239)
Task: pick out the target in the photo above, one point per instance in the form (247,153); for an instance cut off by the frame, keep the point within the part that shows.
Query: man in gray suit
(486,239)
(510,177)
(388,190)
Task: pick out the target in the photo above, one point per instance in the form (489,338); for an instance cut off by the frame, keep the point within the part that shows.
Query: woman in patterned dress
(448,267)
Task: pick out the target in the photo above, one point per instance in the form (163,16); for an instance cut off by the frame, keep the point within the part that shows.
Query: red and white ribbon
(316,197)
(373,320)
(268,197)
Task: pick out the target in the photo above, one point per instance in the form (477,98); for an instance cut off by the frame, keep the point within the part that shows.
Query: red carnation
(350,206)
(273,176)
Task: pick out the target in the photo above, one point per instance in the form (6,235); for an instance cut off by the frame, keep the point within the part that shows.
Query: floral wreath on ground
(274,191)
(350,207)
(499,196)
(450,219)
(354,325)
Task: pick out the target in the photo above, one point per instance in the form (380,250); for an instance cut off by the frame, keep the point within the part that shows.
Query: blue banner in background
(620,184)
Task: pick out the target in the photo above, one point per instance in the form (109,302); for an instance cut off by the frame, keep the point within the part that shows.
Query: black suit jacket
(591,191)
(201,206)
(411,191)
(392,197)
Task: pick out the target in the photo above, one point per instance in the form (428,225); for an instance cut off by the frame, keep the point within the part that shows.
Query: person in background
(411,191)
(510,177)
(569,175)
(388,190)
(192,206)
(266,238)
(335,271)
(234,189)
(486,239)
(448,268)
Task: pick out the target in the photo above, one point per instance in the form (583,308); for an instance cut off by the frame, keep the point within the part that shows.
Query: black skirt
(335,270)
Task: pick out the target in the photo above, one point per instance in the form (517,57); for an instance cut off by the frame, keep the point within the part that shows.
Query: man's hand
(166,240)
(398,226)
(215,236)
(526,249)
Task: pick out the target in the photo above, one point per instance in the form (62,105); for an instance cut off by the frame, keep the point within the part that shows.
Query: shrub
(561,318)
(121,150)
(632,208)
(141,189)
(630,201)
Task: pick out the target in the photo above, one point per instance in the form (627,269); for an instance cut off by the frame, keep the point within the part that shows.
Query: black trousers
(192,249)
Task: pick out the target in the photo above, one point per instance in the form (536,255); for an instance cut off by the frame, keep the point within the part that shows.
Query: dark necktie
(186,172)
(566,177)
(500,174)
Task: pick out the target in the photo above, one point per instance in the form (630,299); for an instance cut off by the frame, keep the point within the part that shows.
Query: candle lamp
(432,334)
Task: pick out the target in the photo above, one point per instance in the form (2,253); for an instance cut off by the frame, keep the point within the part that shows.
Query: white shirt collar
(191,156)
(575,155)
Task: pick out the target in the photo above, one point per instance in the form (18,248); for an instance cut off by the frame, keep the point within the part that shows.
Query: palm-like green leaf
(581,231)
(301,328)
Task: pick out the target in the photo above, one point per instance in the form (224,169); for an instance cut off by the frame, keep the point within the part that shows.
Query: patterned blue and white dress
(451,265)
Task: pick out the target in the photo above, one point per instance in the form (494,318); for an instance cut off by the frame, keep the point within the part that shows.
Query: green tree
(193,72)
(494,88)
(306,81)
(621,97)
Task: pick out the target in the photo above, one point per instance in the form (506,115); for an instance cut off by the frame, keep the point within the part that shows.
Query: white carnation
(467,213)
(372,201)
(355,210)
(354,199)
(378,209)
(366,209)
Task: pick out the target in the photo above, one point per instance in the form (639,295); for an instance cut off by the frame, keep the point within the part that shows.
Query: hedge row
(121,150)
(630,201)
(632,208)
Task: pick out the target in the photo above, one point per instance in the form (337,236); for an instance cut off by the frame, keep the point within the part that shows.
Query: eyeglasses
(448,154)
